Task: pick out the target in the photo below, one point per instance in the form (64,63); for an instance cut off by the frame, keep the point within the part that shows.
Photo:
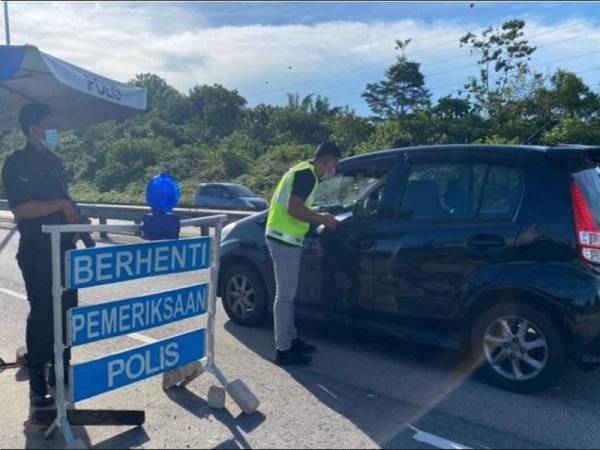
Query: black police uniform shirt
(304,183)
(34,175)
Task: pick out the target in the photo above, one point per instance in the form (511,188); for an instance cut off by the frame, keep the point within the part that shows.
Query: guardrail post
(103,234)
(138,222)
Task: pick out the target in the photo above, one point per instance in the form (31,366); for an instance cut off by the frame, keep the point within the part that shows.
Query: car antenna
(538,132)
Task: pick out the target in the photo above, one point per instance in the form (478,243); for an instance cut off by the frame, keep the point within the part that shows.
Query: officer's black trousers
(35,262)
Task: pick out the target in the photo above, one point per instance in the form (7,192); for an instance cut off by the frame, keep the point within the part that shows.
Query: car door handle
(486,242)
(362,242)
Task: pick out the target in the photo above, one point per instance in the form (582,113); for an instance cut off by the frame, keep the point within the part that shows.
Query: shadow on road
(133,438)
(199,407)
(384,418)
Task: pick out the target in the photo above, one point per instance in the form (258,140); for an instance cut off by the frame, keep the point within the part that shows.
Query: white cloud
(332,58)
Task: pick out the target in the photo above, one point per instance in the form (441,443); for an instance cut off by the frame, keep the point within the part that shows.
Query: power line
(445,43)
(462,84)
(468,66)
(386,61)
(543,64)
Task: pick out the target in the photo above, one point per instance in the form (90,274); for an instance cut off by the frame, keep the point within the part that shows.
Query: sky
(268,49)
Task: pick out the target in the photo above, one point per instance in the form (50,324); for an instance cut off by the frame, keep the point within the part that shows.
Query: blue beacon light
(162,195)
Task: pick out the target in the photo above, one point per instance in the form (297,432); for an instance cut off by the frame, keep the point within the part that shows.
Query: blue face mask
(51,140)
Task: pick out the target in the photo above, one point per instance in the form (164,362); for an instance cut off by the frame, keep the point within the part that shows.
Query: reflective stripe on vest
(280,224)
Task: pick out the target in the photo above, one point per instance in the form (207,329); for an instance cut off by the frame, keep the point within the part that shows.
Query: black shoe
(52,377)
(299,346)
(292,358)
(37,380)
(40,400)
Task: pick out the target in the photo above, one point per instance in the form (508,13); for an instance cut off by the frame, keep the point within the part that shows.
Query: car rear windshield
(589,182)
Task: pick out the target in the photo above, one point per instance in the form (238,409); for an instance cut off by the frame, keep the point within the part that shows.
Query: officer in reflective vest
(290,217)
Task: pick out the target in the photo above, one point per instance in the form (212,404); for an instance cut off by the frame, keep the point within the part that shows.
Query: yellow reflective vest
(280,224)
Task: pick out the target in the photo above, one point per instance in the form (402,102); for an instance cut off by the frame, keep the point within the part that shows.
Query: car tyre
(244,295)
(518,347)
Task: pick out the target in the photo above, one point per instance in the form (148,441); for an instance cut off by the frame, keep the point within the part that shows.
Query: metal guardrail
(135,214)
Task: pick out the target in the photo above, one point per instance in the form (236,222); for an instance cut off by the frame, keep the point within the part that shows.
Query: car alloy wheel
(240,295)
(515,348)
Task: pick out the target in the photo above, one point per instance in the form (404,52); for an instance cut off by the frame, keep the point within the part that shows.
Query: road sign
(122,369)
(108,320)
(114,264)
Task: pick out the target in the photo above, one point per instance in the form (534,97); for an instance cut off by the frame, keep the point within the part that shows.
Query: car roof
(218,184)
(516,150)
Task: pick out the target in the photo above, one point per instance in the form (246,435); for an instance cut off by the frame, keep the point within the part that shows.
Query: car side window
(219,192)
(207,191)
(501,193)
(359,190)
(443,191)
(461,192)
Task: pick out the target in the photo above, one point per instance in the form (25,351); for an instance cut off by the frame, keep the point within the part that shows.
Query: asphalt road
(360,392)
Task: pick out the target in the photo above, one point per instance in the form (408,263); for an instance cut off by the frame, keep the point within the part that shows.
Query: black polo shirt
(304,183)
(34,175)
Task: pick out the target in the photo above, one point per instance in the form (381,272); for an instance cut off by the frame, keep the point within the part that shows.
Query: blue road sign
(114,264)
(122,369)
(108,320)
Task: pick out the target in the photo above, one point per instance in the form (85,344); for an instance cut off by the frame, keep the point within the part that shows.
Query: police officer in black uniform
(35,183)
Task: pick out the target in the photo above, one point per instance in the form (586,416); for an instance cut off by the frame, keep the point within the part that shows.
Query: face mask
(329,174)
(51,140)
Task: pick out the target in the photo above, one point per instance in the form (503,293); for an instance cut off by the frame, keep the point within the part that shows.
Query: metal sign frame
(62,418)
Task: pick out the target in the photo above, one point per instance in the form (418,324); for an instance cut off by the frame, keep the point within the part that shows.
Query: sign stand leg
(51,429)
(237,390)
(59,347)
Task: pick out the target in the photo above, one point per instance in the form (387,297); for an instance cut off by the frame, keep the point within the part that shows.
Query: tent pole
(6,24)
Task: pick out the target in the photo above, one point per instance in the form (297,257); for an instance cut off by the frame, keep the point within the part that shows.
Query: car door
(458,216)
(337,266)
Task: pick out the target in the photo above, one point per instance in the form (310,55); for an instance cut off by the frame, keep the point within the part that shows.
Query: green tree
(574,130)
(349,130)
(503,56)
(402,92)
(163,99)
(216,112)
(567,95)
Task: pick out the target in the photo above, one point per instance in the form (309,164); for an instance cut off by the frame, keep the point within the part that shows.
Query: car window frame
(461,158)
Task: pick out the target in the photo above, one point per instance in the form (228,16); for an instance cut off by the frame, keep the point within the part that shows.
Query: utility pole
(6,24)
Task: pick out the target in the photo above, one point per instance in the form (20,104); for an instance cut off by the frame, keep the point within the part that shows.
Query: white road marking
(136,336)
(13,294)
(436,441)
(324,389)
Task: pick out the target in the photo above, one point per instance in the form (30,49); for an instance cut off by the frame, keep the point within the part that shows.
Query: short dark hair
(33,114)
(328,148)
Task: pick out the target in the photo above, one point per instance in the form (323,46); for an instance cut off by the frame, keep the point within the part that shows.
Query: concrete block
(181,375)
(243,397)
(216,397)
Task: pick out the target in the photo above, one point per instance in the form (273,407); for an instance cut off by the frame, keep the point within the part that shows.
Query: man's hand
(329,221)
(69,212)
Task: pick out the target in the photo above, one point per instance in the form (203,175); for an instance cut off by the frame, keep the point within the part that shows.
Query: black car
(491,249)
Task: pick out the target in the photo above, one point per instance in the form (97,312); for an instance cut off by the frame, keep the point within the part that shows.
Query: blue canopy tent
(77,96)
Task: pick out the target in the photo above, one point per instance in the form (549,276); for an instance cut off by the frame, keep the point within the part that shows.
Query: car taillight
(588,232)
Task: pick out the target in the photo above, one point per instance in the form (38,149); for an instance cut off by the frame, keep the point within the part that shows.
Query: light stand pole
(6,24)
